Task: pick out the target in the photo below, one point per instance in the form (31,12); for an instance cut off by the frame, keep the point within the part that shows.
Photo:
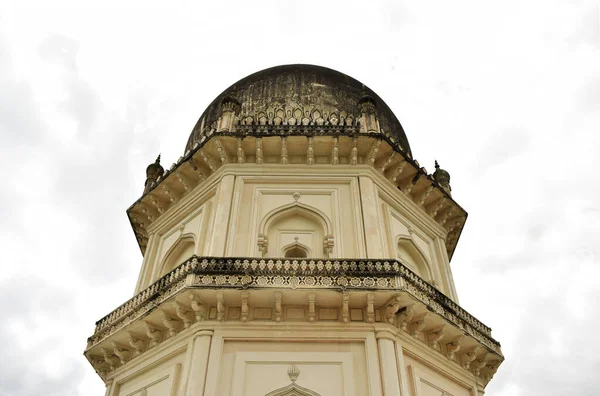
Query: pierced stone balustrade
(251,272)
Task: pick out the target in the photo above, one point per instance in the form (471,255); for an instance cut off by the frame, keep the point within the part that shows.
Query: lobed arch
(411,254)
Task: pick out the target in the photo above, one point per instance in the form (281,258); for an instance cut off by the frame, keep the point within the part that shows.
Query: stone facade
(290,255)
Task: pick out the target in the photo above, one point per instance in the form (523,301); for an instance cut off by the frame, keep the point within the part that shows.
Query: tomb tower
(295,248)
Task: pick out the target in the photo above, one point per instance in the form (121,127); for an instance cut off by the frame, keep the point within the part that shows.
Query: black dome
(299,88)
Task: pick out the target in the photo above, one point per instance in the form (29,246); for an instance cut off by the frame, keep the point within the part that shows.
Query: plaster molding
(197,168)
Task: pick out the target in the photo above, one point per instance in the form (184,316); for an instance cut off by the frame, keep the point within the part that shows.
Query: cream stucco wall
(226,359)
(359,211)
(259,211)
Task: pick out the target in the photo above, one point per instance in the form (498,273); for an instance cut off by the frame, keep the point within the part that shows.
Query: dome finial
(442,177)
(230,107)
(368,109)
(153,172)
(366,99)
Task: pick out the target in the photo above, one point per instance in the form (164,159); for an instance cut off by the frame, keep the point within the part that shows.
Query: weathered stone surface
(297,93)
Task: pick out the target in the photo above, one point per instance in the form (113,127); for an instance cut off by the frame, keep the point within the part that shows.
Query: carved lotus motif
(326,281)
(369,282)
(294,281)
(342,281)
(262,280)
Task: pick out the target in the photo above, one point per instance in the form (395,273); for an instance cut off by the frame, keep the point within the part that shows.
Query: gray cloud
(87,183)
(544,361)
(509,143)
(76,182)
(23,373)
(82,103)
(587,30)
(20,121)
(524,227)
(589,95)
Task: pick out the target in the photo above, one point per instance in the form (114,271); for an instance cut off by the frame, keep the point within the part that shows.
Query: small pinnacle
(437,166)
(157,160)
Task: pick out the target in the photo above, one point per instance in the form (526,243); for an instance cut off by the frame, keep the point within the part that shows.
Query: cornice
(342,145)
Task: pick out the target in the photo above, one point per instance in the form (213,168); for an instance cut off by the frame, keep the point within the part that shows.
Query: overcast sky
(505,95)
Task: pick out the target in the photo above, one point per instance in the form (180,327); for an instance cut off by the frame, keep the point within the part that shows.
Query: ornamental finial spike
(443,178)
(293,373)
(153,172)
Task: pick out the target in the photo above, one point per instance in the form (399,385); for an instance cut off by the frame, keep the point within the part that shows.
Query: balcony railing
(253,272)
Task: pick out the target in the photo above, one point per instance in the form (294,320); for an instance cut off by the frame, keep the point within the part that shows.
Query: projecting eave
(308,145)
(372,295)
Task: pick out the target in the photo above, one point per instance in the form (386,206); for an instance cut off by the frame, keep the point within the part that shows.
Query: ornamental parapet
(343,275)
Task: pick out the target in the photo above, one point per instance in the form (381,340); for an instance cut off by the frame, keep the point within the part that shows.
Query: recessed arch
(182,249)
(299,208)
(410,254)
(296,250)
(295,224)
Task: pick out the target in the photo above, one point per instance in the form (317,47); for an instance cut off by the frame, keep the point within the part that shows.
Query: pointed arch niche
(410,255)
(296,250)
(295,230)
(181,250)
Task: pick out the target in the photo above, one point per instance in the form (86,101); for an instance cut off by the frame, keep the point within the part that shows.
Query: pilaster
(387,363)
(196,378)
(402,371)
(372,227)
(222,211)
(109,387)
